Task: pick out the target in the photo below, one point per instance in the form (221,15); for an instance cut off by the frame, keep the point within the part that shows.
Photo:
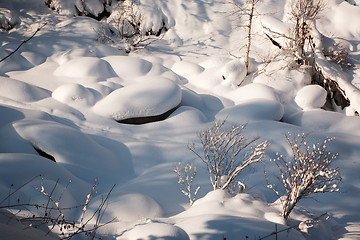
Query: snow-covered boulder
(234,72)
(253,91)
(129,67)
(187,69)
(310,97)
(85,67)
(144,99)
(255,109)
(21,91)
(74,94)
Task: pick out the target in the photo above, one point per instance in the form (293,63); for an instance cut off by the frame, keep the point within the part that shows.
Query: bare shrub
(51,214)
(303,13)
(338,54)
(225,152)
(186,176)
(307,172)
(125,24)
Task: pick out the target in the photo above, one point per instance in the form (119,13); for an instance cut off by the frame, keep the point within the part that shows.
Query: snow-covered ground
(62,91)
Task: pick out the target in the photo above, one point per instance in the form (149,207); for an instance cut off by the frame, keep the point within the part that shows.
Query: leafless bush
(125,24)
(223,153)
(303,13)
(52,215)
(307,173)
(186,176)
(339,55)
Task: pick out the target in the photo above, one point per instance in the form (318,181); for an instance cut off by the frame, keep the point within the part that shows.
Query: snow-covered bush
(307,173)
(338,54)
(187,176)
(127,24)
(49,214)
(8,19)
(92,8)
(302,14)
(226,154)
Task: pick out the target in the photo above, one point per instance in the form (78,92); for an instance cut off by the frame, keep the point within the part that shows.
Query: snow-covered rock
(253,91)
(255,109)
(234,72)
(310,97)
(129,67)
(85,67)
(73,93)
(144,99)
(186,69)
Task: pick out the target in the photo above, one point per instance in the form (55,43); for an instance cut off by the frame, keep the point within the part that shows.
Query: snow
(146,98)
(62,91)
(311,96)
(86,67)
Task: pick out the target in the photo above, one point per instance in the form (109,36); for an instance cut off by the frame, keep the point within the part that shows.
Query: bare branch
(307,173)
(221,150)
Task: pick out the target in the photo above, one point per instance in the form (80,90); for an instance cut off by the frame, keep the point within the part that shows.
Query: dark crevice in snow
(148,119)
(334,92)
(44,154)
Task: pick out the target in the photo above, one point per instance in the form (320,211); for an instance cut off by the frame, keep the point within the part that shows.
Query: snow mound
(218,215)
(20,91)
(187,115)
(148,98)
(154,230)
(76,151)
(84,67)
(73,93)
(311,96)
(187,69)
(255,109)
(253,91)
(234,72)
(131,207)
(129,67)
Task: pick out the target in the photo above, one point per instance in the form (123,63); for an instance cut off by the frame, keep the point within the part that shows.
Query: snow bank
(155,230)
(218,215)
(76,151)
(21,91)
(132,207)
(311,96)
(147,98)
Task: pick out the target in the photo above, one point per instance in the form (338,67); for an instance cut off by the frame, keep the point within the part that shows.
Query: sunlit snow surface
(63,91)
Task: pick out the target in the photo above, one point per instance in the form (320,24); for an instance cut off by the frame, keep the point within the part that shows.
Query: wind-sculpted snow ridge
(65,96)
